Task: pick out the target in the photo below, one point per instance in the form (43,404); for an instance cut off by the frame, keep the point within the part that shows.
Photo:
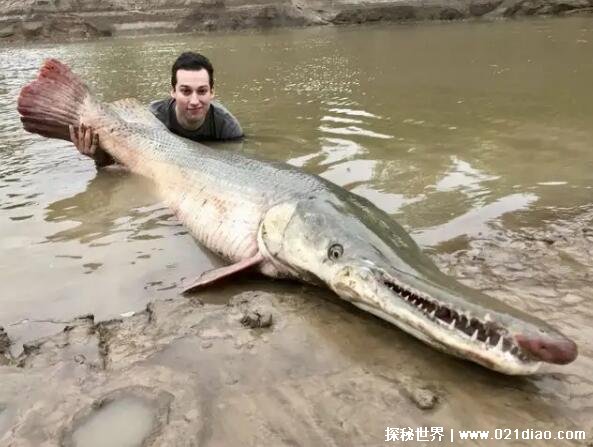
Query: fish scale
(220,196)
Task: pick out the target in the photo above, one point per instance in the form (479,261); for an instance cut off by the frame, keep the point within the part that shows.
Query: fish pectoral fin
(211,276)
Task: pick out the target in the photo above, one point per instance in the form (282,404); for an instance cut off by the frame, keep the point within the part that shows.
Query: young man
(190,112)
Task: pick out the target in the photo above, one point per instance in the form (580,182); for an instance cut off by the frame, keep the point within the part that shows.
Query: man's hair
(191,61)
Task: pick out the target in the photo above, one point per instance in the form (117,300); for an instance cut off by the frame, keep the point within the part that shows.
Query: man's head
(192,88)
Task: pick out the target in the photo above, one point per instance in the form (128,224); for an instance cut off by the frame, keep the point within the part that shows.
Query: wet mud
(263,363)
(60,21)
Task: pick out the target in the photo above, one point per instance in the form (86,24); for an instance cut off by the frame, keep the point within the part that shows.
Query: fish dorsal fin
(132,111)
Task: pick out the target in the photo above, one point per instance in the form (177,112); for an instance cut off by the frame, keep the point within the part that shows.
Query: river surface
(477,137)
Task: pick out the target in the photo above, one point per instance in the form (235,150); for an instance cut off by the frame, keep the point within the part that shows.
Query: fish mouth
(481,335)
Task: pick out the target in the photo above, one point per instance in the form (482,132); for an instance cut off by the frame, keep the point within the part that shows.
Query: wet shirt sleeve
(226,125)
(160,109)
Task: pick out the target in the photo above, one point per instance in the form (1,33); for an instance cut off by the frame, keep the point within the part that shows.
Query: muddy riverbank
(52,20)
(201,371)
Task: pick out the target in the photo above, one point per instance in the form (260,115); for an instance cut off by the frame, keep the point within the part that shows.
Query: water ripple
(354,130)
(474,221)
(353,112)
(463,177)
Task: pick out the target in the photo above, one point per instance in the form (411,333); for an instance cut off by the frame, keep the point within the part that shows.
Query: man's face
(192,95)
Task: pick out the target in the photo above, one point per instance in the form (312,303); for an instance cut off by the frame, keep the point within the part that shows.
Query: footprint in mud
(124,418)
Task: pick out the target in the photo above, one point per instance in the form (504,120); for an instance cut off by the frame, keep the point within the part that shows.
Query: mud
(48,20)
(4,341)
(322,373)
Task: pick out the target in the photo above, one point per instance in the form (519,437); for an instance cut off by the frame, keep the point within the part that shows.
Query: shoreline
(40,21)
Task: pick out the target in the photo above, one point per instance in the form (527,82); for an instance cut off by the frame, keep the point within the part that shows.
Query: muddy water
(476,137)
(128,420)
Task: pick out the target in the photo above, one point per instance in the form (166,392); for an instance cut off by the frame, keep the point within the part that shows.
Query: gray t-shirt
(219,123)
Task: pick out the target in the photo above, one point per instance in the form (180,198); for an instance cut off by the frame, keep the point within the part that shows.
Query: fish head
(365,257)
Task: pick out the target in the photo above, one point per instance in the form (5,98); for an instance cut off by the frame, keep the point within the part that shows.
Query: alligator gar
(286,223)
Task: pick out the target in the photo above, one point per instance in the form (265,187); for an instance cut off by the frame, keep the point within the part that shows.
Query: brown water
(477,137)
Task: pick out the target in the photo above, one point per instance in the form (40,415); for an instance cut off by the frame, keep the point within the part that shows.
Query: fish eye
(335,251)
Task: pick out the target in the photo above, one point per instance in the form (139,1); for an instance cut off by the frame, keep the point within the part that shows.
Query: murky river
(477,137)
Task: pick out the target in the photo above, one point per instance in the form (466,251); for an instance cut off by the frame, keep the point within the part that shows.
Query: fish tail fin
(53,101)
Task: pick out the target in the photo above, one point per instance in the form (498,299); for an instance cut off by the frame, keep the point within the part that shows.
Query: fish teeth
(487,317)
(475,335)
(433,313)
(487,342)
(452,324)
(499,344)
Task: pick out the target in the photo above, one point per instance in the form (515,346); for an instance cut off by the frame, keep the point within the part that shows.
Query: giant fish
(279,220)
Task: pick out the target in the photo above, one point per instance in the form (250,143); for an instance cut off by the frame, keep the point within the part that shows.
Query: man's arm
(87,143)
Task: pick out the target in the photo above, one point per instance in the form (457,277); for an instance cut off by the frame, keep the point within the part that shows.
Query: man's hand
(87,143)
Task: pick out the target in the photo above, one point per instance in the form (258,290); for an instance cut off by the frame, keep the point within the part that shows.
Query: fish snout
(548,349)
